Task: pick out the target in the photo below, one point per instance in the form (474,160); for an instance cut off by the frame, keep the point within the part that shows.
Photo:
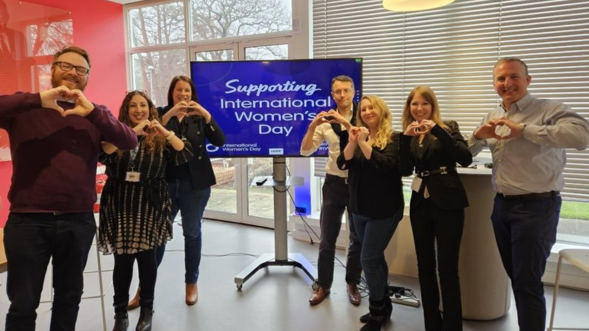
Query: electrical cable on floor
(215,255)
(399,294)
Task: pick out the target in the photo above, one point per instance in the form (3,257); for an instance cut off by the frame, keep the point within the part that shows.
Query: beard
(59,81)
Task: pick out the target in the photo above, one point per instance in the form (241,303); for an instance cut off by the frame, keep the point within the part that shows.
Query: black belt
(542,195)
(337,178)
(441,171)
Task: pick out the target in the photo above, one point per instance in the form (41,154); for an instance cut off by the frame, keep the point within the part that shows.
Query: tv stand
(281,257)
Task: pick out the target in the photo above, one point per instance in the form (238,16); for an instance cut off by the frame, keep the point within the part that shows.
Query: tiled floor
(273,299)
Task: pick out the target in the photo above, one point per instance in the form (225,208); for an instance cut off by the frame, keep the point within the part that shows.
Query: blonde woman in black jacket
(432,148)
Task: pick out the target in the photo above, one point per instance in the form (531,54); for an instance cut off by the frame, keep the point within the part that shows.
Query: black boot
(144,323)
(388,308)
(121,322)
(376,317)
(121,316)
(364,318)
(388,311)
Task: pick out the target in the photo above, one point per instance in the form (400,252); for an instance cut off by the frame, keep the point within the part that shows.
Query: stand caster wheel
(239,287)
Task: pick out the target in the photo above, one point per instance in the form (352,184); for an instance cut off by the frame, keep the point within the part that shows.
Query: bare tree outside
(158,25)
(217,19)
(164,25)
(49,37)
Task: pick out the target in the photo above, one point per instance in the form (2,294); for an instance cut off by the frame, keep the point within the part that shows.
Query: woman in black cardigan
(438,199)
(376,198)
(190,183)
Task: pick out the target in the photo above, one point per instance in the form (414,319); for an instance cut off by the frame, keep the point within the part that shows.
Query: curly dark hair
(154,143)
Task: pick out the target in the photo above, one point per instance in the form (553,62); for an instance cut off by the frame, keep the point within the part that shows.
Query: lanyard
(133,155)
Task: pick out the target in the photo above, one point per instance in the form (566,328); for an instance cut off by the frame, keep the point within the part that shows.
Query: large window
(161,24)
(160,35)
(165,36)
(453,50)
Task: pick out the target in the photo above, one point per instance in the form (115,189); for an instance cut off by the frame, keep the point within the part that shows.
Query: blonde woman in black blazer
(432,148)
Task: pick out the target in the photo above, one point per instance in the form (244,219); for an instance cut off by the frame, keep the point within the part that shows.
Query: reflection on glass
(224,194)
(28,33)
(153,72)
(48,38)
(260,198)
(157,25)
(216,55)
(217,19)
(43,74)
(269,52)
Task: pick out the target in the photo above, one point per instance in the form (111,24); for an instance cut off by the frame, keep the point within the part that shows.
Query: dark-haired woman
(190,183)
(438,199)
(135,206)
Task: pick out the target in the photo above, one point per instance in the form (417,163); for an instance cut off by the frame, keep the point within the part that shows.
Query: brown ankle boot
(191,294)
(134,303)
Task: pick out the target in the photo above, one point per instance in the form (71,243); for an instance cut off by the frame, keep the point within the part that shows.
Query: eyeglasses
(342,91)
(66,66)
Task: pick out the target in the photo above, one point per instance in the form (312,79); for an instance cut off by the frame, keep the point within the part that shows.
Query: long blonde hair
(428,94)
(385,129)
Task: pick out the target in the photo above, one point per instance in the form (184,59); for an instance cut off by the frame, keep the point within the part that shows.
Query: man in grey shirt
(527,138)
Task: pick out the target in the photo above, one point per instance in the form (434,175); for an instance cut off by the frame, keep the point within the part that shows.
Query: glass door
(233,198)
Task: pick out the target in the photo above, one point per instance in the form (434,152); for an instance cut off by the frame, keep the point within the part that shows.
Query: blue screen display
(265,107)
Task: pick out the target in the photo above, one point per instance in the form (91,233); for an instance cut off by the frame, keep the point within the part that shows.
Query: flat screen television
(265,107)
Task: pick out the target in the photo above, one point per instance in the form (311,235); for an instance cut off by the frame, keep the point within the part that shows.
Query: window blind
(453,50)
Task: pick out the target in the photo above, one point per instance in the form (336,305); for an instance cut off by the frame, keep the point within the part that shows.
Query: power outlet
(407,301)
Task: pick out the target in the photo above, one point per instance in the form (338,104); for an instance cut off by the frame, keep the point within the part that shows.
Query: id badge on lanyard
(133,176)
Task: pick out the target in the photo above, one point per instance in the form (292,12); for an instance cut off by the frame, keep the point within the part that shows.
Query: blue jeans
(375,235)
(525,231)
(31,239)
(191,204)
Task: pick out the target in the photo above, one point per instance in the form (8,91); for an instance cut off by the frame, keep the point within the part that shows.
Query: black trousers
(123,275)
(438,231)
(336,198)
(31,240)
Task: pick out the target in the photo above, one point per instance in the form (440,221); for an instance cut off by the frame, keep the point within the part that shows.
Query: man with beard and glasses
(52,194)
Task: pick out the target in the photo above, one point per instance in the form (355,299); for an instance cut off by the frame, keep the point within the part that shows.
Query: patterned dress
(137,216)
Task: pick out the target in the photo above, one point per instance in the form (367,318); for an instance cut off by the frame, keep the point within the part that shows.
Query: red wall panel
(98,28)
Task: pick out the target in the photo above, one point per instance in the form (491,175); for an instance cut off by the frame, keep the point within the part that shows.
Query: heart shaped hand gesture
(158,129)
(419,128)
(353,134)
(194,108)
(82,107)
(363,133)
(142,129)
(489,130)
